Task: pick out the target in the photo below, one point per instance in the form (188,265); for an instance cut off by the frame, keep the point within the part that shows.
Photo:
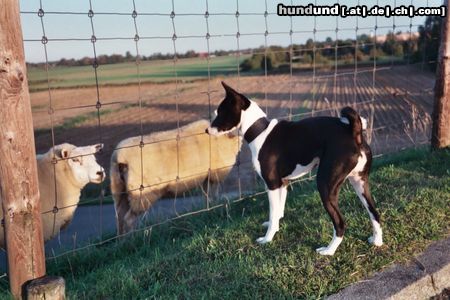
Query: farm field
(400,97)
(125,73)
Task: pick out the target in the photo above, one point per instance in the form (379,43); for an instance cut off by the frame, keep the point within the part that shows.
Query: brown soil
(401,108)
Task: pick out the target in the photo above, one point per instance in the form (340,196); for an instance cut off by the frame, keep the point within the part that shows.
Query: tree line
(403,47)
(128,57)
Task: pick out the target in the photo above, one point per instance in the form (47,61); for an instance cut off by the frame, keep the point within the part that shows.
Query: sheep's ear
(65,153)
(98,147)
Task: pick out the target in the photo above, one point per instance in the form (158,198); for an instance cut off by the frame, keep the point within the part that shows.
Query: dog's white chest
(256,145)
(255,160)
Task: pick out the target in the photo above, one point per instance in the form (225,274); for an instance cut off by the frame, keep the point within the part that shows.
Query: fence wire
(396,115)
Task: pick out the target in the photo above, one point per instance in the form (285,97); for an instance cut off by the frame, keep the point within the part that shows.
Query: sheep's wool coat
(164,159)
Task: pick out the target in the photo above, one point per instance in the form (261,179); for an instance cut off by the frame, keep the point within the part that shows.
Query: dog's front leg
(274,216)
(282,199)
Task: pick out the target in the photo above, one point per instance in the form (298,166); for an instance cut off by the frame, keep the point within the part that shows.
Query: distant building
(204,55)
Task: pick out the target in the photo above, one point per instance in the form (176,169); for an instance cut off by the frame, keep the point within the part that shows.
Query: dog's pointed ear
(240,99)
(229,90)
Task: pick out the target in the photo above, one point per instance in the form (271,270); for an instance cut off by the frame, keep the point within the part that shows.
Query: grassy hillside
(214,255)
(125,73)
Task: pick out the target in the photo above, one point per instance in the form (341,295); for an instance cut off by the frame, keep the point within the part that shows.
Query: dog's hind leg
(361,185)
(328,184)
(274,216)
(283,195)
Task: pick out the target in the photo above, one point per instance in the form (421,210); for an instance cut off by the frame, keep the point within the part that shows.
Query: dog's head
(229,112)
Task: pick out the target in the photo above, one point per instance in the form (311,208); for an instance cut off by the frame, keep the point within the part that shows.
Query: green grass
(125,73)
(214,254)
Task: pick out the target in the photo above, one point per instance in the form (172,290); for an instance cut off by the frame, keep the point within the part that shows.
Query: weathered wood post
(440,134)
(18,171)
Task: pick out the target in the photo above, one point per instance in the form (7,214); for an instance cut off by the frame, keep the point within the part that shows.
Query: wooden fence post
(440,134)
(18,170)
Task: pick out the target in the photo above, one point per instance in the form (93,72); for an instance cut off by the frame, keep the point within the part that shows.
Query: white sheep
(137,183)
(74,168)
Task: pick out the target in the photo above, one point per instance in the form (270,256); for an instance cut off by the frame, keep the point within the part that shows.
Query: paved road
(91,222)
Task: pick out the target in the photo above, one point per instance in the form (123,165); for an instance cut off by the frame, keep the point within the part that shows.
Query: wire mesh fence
(295,67)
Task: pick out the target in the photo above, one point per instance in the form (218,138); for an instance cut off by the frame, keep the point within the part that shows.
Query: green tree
(267,63)
(129,56)
(429,42)
(253,63)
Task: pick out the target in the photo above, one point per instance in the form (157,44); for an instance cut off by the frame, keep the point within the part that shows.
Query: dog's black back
(293,143)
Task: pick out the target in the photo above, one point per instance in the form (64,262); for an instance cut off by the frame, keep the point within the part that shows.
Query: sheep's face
(82,163)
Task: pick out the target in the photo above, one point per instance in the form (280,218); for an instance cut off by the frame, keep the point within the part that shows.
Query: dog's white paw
(325,251)
(263,240)
(376,241)
(265,224)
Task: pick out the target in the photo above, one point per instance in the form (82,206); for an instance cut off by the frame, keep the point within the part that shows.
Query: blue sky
(70,26)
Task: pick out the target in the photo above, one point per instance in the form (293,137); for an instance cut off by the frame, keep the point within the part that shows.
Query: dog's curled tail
(350,116)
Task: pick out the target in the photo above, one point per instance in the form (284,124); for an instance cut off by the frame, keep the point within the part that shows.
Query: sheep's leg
(215,188)
(205,187)
(211,187)
(130,221)
(122,207)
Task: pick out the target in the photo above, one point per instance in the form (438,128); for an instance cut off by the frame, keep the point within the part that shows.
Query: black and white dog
(282,151)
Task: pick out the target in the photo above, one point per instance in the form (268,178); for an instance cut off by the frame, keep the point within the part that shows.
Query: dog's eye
(77,160)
